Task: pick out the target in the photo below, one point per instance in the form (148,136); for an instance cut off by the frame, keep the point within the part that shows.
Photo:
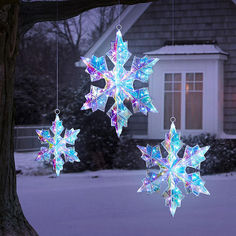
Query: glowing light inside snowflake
(119,84)
(57,146)
(173,169)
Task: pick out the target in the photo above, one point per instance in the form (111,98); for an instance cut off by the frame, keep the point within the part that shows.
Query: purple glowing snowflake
(57,146)
(173,169)
(119,84)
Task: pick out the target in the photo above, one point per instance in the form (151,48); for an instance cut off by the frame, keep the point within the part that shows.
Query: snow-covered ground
(106,203)
(25,161)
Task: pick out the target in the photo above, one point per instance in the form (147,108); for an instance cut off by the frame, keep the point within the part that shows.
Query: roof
(188,50)
(128,17)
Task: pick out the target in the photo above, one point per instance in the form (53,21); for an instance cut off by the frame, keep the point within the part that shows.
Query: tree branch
(38,11)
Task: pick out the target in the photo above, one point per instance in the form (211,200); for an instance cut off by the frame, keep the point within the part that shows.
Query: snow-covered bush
(127,155)
(97,140)
(221,157)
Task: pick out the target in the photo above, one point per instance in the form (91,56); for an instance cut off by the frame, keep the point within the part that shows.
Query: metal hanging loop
(119,27)
(57,111)
(172,119)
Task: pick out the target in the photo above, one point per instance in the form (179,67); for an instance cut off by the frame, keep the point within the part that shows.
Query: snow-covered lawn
(108,205)
(25,161)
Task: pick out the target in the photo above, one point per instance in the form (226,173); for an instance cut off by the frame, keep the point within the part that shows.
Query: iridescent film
(57,151)
(119,84)
(172,169)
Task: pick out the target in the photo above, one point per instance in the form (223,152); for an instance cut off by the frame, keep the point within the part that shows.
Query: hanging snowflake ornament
(119,84)
(57,151)
(173,169)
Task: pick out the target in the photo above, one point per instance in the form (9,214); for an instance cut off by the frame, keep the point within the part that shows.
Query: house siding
(194,20)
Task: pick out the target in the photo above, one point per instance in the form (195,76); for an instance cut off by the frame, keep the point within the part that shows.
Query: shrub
(97,140)
(221,157)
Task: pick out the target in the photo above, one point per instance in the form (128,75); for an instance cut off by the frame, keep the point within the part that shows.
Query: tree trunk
(12,219)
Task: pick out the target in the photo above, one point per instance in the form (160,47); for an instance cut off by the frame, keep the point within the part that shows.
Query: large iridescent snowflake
(173,169)
(119,84)
(57,146)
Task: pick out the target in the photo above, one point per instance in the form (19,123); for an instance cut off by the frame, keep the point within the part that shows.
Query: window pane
(177,86)
(189,76)
(168,86)
(189,86)
(177,77)
(172,103)
(176,109)
(193,113)
(198,76)
(198,86)
(168,77)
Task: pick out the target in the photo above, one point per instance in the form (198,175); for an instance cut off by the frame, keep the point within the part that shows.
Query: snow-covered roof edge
(188,50)
(129,16)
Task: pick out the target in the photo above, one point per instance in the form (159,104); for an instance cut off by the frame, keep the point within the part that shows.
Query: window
(183,100)
(172,99)
(193,108)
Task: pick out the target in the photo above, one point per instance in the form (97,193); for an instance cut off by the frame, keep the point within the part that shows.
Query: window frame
(183,99)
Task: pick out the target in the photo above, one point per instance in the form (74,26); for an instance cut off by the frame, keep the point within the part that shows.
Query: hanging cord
(173,22)
(57,111)
(173,74)
(119,10)
(119,27)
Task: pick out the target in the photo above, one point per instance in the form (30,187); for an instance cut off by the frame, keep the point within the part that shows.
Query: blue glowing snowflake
(119,84)
(173,169)
(57,146)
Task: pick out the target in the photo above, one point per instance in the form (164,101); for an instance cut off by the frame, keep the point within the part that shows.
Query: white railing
(26,139)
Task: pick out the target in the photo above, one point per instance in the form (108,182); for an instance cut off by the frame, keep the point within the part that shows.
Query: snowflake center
(59,143)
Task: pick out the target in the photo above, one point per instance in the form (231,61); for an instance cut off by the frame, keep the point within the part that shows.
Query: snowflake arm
(57,146)
(43,155)
(173,197)
(141,101)
(71,136)
(119,115)
(96,99)
(119,84)
(194,184)
(151,155)
(193,156)
(172,142)
(119,53)
(151,183)
(141,68)
(57,127)
(97,68)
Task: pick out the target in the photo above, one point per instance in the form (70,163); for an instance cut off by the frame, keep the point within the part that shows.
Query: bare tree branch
(79,30)
(68,31)
(38,11)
